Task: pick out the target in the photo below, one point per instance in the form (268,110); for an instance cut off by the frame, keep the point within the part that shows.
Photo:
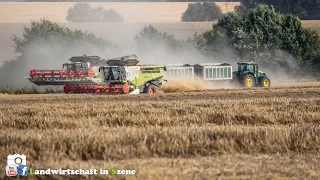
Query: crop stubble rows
(89,128)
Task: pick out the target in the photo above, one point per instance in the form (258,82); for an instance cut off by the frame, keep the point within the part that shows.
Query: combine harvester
(247,75)
(78,70)
(90,74)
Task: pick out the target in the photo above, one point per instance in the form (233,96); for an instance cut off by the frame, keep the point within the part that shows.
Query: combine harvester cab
(124,76)
(81,70)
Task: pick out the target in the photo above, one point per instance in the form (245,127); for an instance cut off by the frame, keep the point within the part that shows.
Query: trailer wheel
(151,89)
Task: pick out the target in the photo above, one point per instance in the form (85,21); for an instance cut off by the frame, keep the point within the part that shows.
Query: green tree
(197,12)
(149,37)
(152,44)
(49,33)
(46,45)
(83,12)
(263,35)
(304,9)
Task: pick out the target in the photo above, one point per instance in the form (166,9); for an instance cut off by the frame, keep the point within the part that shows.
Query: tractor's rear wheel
(248,81)
(265,82)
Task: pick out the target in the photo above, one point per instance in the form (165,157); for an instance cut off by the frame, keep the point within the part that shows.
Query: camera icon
(17,159)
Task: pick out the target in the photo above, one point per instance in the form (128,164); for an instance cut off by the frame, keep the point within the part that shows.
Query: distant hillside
(23,12)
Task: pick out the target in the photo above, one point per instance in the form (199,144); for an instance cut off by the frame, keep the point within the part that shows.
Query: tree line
(304,9)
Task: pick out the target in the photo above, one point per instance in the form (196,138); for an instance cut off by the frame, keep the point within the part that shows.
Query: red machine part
(108,88)
(45,73)
(90,72)
(61,73)
(78,89)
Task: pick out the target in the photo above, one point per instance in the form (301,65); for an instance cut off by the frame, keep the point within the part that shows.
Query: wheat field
(258,133)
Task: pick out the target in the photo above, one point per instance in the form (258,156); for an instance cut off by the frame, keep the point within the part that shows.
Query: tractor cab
(249,75)
(75,66)
(251,67)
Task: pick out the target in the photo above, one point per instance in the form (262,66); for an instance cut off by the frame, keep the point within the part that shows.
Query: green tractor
(248,75)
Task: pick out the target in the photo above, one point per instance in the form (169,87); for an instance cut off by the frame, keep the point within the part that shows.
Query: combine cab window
(85,65)
(68,67)
(116,73)
(112,73)
(107,73)
(65,67)
(78,66)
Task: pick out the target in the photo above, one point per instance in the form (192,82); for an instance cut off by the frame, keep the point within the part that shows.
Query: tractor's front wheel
(265,82)
(248,81)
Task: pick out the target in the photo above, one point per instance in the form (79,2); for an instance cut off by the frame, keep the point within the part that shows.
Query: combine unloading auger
(90,74)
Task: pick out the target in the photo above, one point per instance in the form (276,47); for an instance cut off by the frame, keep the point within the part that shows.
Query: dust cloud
(43,55)
(286,64)
(183,85)
(51,55)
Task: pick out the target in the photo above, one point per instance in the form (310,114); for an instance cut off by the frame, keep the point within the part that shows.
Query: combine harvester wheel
(150,90)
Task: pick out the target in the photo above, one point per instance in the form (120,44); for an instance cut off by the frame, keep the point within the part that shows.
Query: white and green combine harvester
(120,75)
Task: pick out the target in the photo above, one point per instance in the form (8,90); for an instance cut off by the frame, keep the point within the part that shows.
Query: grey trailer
(179,70)
(213,71)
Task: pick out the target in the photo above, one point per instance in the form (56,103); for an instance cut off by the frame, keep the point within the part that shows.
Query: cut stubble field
(201,134)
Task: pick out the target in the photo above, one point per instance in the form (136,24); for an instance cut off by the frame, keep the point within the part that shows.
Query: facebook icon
(23,170)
